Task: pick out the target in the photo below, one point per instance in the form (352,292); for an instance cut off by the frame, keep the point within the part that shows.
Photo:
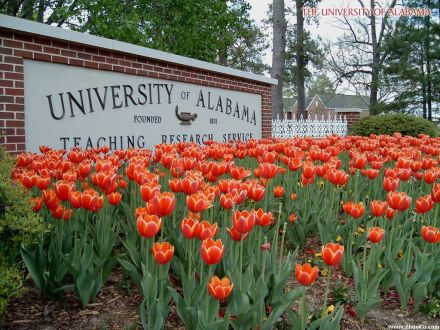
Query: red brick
(15,123)
(19,100)
(59,44)
(59,59)
(104,66)
(18,68)
(23,37)
(111,60)
(130,70)
(5,51)
(19,115)
(6,34)
(136,65)
(39,41)
(14,91)
(104,53)
(18,84)
(13,60)
(19,131)
(13,75)
(6,99)
(10,147)
(124,63)
(51,50)
(118,68)
(12,43)
(6,67)
(21,147)
(84,56)
(99,58)
(42,57)
(7,83)
(15,139)
(76,48)
(6,115)
(68,53)
(2,139)
(91,65)
(74,61)
(34,47)
(23,53)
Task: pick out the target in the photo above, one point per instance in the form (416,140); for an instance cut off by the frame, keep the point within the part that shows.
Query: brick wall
(351,117)
(14,47)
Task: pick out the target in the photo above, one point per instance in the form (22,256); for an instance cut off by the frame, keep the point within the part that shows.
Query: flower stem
(327,289)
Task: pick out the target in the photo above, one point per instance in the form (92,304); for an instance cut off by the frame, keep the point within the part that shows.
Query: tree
(412,72)
(360,53)
(321,85)
(209,30)
(278,57)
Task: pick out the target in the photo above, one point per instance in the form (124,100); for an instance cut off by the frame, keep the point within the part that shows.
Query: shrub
(18,224)
(393,123)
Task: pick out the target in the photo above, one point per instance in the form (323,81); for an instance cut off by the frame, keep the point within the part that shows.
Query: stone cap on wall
(44,30)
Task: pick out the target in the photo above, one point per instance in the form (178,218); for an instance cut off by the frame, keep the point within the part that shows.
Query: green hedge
(393,123)
(18,224)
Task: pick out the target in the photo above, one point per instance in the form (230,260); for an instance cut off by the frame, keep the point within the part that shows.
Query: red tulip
(424,204)
(243,221)
(212,251)
(162,252)
(278,191)
(390,184)
(148,190)
(376,234)
(435,193)
(398,200)
(114,198)
(263,219)
(332,254)
(63,189)
(197,202)
(207,230)
(305,274)
(148,225)
(236,235)
(163,204)
(220,289)
(190,228)
(431,234)
(378,208)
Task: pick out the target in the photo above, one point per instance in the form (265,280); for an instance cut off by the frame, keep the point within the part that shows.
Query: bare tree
(300,62)
(278,57)
(359,53)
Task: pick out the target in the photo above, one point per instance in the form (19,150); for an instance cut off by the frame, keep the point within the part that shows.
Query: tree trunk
(428,63)
(300,64)
(278,57)
(375,65)
(423,80)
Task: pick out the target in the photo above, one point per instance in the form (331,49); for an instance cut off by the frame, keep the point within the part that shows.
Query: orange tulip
(376,234)
(207,230)
(148,190)
(236,235)
(256,192)
(398,200)
(212,251)
(243,221)
(431,234)
(292,217)
(268,170)
(424,204)
(390,213)
(435,193)
(430,176)
(357,210)
(347,206)
(190,228)
(278,191)
(162,252)
(175,185)
(190,185)
(37,203)
(63,189)
(305,274)
(114,198)
(263,219)
(50,199)
(220,289)
(148,225)
(337,177)
(43,183)
(75,199)
(308,171)
(390,184)
(332,254)
(197,202)
(91,200)
(378,208)
(163,204)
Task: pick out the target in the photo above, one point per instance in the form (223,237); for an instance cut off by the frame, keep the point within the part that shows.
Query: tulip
(347,206)
(268,170)
(43,183)
(75,199)
(197,202)
(236,235)
(332,254)
(190,228)
(91,200)
(148,225)
(378,208)
(256,192)
(278,191)
(376,234)
(162,204)
(50,199)
(263,219)
(398,200)
(148,190)
(37,203)
(431,234)
(220,289)
(390,213)
(435,193)
(357,210)
(212,251)
(175,185)
(114,198)
(308,171)
(430,176)
(390,184)
(243,221)
(305,274)
(337,177)
(63,189)
(190,186)
(162,252)
(207,230)
(424,204)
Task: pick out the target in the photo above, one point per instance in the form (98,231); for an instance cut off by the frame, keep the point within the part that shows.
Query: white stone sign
(69,107)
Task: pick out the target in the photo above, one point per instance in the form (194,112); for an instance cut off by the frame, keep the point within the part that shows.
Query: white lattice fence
(311,127)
